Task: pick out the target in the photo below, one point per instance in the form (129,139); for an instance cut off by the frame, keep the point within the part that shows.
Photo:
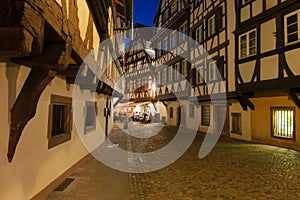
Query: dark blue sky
(144,11)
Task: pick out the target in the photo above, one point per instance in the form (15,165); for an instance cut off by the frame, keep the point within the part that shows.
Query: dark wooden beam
(15,42)
(294,98)
(24,108)
(49,59)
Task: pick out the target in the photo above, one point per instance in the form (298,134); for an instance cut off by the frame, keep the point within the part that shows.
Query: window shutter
(192,76)
(220,65)
(219,18)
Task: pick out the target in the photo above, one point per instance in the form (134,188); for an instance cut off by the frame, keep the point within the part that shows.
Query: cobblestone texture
(233,170)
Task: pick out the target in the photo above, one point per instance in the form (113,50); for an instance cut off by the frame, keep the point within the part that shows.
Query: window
(170,74)
(158,77)
(164,76)
(90,116)
(183,29)
(173,40)
(171,112)
(192,111)
(211,24)
(184,68)
(236,123)
(199,34)
(200,75)
(177,71)
(159,49)
(60,120)
(205,115)
(292,27)
(166,45)
(198,2)
(212,71)
(138,83)
(283,120)
(248,44)
(166,15)
(174,7)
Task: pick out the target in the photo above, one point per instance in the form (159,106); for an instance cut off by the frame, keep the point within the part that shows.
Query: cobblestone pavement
(233,169)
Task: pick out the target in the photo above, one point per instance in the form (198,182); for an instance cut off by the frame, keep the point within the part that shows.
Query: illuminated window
(236,124)
(205,115)
(283,122)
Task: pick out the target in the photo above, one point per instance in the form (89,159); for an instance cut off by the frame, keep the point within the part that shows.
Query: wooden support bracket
(294,98)
(24,108)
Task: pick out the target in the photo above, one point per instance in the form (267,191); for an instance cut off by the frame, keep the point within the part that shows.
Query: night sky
(144,11)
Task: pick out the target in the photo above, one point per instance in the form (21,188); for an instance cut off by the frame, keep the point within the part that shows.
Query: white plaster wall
(246,70)
(267,36)
(269,67)
(34,165)
(292,58)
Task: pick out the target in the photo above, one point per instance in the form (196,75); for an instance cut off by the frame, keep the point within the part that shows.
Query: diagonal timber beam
(24,108)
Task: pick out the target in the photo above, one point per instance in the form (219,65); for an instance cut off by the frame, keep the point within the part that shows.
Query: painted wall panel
(269,68)
(268,40)
(292,58)
(247,70)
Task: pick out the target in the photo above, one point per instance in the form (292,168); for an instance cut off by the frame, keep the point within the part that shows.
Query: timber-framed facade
(267,68)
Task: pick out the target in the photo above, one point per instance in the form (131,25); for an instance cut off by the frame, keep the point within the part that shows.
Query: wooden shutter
(219,18)
(220,65)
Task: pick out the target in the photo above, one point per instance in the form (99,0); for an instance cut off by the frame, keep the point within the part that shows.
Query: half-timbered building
(171,67)
(43,49)
(267,69)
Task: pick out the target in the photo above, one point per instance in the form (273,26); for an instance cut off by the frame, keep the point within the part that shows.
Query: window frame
(55,140)
(177,71)
(212,65)
(199,34)
(293,110)
(205,122)
(239,117)
(297,12)
(184,68)
(192,111)
(184,31)
(211,30)
(247,36)
(200,79)
(173,40)
(93,105)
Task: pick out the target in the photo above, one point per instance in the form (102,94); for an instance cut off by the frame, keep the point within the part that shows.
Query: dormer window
(166,15)
(174,7)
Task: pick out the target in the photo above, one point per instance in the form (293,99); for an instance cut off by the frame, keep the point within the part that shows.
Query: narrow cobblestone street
(233,170)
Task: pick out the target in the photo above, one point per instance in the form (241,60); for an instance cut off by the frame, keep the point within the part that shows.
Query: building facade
(267,72)
(43,46)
